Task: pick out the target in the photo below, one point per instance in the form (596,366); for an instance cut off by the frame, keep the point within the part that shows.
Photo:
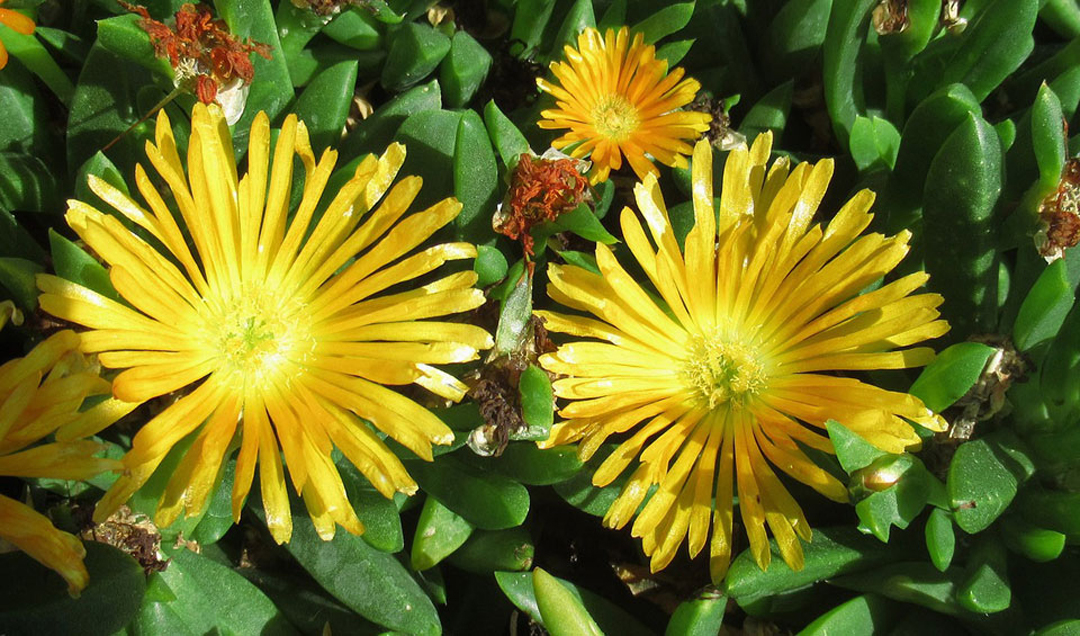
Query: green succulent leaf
(962,188)
(372,583)
(833,552)
(487,551)
(563,613)
(475,177)
(415,52)
(35,600)
(1045,307)
(865,614)
(702,615)
(664,22)
(612,619)
(17,275)
(984,477)
(951,374)
(853,451)
(325,102)
(485,499)
(203,596)
(439,532)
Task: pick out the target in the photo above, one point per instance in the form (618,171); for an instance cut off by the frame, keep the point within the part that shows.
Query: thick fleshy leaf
(485,499)
(612,619)
(17,276)
(832,552)
(1035,543)
(29,184)
(490,266)
(537,401)
(487,551)
(666,21)
(415,51)
(504,134)
(372,583)
(475,178)
(380,516)
(439,532)
(844,41)
(525,463)
(940,538)
(376,132)
(563,613)
(986,589)
(35,600)
(463,70)
(1045,307)
(325,102)
(951,374)
(984,476)
(702,615)
(72,263)
(208,596)
(867,614)
(962,188)
(852,450)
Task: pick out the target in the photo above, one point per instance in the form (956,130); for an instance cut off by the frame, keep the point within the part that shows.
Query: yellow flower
(16,22)
(40,394)
(716,382)
(618,99)
(273,321)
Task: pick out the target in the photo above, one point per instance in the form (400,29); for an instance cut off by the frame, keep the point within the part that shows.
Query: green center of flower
(720,372)
(615,118)
(258,336)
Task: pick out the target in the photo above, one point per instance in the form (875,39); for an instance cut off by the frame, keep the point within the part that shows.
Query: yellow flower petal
(616,96)
(270,322)
(716,373)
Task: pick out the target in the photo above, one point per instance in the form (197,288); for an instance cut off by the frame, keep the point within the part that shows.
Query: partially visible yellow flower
(40,395)
(715,383)
(274,323)
(16,22)
(618,99)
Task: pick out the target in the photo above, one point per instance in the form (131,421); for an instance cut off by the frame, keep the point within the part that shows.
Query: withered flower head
(207,58)
(541,189)
(891,16)
(1059,215)
(327,8)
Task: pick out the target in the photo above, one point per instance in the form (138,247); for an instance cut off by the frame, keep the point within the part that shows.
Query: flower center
(258,336)
(719,371)
(615,118)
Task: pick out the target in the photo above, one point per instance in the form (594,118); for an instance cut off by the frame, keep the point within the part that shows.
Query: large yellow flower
(273,321)
(40,395)
(719,379)
(618,99)
(16,22)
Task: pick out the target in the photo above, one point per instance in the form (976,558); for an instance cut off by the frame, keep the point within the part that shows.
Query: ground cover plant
(564,316)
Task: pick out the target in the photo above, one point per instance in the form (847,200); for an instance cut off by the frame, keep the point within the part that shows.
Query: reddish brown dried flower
(201,45)
(540,190)
(331,7)
(1059,215)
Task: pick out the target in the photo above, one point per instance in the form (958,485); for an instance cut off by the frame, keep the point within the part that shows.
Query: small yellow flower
(40,395)
(618,99)
(274,322)
(16,22)
(716,382)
